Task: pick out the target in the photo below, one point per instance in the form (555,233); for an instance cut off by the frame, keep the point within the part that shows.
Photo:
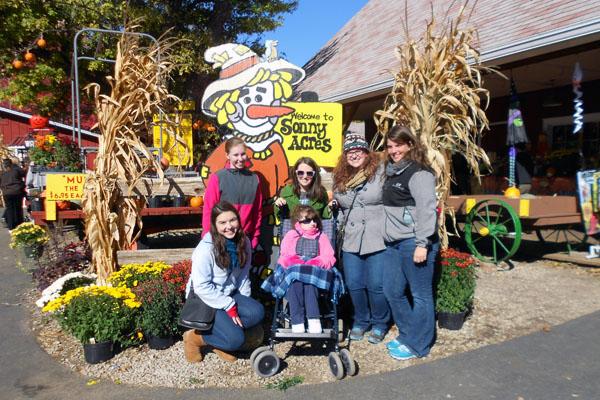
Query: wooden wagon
(493,225)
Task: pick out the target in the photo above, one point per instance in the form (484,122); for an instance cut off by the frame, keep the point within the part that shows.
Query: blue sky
(312,24)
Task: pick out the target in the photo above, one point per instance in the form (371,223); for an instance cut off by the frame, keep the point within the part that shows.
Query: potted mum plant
(131,275)
(98,316)
(161,304)
(455,288)
(56,153)
(30,237)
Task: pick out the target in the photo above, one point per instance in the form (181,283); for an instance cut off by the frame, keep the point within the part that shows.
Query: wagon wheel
(570,234)
(493,231)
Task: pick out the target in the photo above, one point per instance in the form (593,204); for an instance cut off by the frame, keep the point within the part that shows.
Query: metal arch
(75,100)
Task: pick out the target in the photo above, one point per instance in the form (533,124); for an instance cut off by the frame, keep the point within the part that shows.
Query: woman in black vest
(410,204)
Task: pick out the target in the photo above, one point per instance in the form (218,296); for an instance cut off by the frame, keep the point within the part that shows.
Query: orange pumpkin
(197,201)
(196,125)
(512,192)
(17,64)
(63,205)
(41,43)
(164,163)
(38,122)
(29,56)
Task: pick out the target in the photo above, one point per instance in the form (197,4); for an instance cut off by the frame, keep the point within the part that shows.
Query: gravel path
(531,297)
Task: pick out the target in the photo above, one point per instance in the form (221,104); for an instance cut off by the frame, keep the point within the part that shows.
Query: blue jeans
(416,322)
(226,335)
(303,296)
(363,275)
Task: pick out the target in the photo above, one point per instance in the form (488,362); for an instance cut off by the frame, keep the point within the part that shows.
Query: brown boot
(192,346)
(225,356)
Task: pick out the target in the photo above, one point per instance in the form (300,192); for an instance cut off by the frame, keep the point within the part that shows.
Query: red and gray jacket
(241,188)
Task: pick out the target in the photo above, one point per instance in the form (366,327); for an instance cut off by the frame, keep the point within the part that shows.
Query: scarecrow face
(252,119)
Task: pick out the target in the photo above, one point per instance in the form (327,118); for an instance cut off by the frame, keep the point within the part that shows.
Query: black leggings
(14,210)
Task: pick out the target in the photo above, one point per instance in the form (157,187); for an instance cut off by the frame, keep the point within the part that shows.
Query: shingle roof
(357,59)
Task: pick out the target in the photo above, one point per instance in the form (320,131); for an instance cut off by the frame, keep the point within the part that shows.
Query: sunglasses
(310,174)
(308,220)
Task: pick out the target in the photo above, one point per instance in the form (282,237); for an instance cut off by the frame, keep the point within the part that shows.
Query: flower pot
(33,251)
(179,201)
(155,202)
(95,353)
(159,342)
(451,321)
(37,204)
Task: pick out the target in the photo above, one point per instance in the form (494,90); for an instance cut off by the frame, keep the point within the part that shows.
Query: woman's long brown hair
(343,171)
(400,135)
(219,249)
(316,191)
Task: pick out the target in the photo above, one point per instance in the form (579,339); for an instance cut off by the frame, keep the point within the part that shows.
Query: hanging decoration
(578,102)
(515,134)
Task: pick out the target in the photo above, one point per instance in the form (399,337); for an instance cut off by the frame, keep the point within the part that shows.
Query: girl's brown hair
(232,142)
(400,134)
(310,212)
(316,190)
(219,249)
(343,171)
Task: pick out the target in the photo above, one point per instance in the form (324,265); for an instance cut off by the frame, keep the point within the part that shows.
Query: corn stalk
(438,92)
(137,92)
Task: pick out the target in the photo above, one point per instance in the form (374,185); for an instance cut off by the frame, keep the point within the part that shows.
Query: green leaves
(456,285)
(200,25)
(98,316)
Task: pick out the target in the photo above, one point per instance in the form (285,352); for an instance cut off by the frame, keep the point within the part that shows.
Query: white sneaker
(298,328)
(314,326)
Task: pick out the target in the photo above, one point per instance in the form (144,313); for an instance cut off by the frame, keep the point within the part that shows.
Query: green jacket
(320,206)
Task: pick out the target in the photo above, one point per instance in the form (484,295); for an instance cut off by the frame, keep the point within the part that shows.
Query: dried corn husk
(137,92)
(438,92)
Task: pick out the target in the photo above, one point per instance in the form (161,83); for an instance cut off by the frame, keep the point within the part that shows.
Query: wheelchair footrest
(288,334)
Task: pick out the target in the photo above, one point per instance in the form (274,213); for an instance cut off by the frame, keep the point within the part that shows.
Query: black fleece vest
(396,192)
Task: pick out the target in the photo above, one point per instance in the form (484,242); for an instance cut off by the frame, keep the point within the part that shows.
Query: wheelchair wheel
(266,363)
(348,362)
(335,365)
(256,352)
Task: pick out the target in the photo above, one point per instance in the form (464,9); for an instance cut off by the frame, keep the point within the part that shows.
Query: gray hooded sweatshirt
(214,285)
(406,221)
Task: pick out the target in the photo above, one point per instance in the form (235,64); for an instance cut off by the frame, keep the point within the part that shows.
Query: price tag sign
(64,186)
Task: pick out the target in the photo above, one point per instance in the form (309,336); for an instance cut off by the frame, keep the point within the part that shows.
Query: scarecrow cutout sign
(250,100)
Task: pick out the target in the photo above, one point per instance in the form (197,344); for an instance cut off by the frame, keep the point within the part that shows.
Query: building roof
(357,61)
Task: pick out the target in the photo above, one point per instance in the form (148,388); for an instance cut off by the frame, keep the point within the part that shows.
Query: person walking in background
(237,185)
(410,206)
(357,187)
(13,192)
(305,189)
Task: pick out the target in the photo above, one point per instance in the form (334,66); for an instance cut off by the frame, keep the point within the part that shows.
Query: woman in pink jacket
(305,244)
(237,185)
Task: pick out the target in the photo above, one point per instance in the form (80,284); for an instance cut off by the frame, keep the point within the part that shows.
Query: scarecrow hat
(238,66)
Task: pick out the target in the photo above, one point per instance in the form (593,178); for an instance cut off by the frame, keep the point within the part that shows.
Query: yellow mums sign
(312,130)
(64,186)
(176,148)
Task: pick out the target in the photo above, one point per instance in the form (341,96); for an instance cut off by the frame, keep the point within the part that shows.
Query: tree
(43,85)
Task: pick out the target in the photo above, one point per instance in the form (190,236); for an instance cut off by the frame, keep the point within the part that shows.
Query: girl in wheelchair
(305,244)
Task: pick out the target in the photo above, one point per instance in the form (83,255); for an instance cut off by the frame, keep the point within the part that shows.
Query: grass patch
(286,383)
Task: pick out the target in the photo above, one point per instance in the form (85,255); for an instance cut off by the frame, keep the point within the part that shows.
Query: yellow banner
(312,130)
(174,150)
(64,186)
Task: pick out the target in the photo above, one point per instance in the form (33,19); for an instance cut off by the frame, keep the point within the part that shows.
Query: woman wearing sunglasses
(305,189)
(357,188)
